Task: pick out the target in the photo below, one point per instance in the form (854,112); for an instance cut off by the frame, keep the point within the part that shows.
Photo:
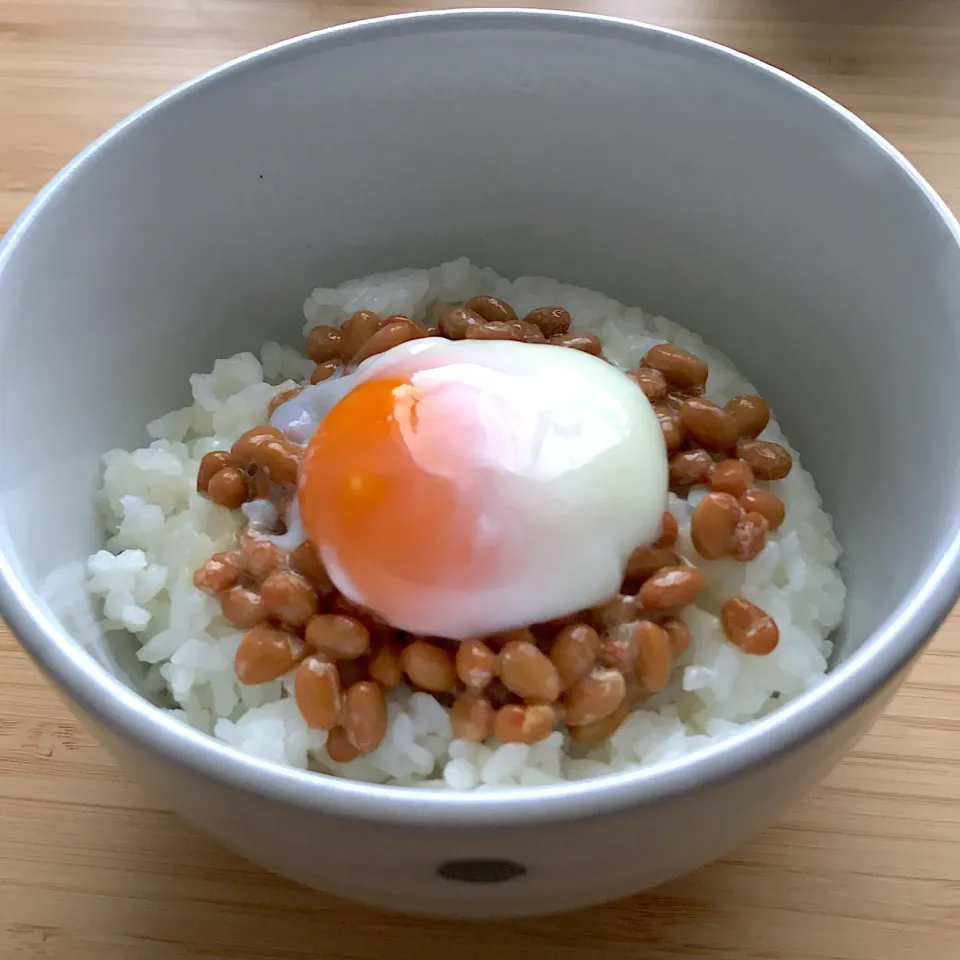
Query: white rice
(160,530)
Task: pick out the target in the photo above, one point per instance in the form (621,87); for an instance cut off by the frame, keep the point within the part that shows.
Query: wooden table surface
(866,868)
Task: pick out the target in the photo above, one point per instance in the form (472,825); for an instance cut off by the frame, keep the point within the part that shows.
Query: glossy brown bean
(259,557)
(339,747)
(522,634)
(316,690)
(669,531)
(356,330)
(390,335)
(749,537)
(228,488)
(324,371)
(323,344)
(339,637)
(384,665)
(471,718)
(539,722)
(524,724)
(268,449)
(492,309)
(654,663)
(680,367)
(732,476)
(508,723)
(574,652)
(429,667)
(644,562)
(552,321)
(279,399)
(711,426)
(620,608)
(670,427)
(528,672)
(245,447)
(219,573)
(652,382)
(670,588)
(679,635)
(690,467)
(289,597)
(455,321)
(364,715)
(584,342)
(377,626)
(675,399)
(258,485)
(768,460)
(767,504)
(712,525)
(530,333)
(210,465)
(266,653)
(594,697)
(748,627)
(242,607)
(600,730)
(618,649)
(751,414)
(476,664)
(305,561)
(495,331)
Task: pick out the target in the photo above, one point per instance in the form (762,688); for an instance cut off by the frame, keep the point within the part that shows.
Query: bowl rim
(858,679)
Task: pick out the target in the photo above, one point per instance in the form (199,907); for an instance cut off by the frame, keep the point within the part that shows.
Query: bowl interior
(667,174)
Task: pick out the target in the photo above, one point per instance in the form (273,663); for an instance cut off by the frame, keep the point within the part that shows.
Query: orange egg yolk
(391,492)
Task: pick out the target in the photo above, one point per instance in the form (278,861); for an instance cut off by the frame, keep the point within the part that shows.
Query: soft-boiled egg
(461,488)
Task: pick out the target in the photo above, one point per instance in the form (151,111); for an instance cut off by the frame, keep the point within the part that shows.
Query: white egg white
(579,482)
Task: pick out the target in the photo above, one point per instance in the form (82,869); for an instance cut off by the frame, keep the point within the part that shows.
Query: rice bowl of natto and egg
(723,609)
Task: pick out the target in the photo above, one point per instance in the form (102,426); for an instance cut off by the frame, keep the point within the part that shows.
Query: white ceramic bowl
(661,169)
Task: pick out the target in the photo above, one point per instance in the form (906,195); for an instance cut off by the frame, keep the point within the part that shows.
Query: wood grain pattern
(866,868)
